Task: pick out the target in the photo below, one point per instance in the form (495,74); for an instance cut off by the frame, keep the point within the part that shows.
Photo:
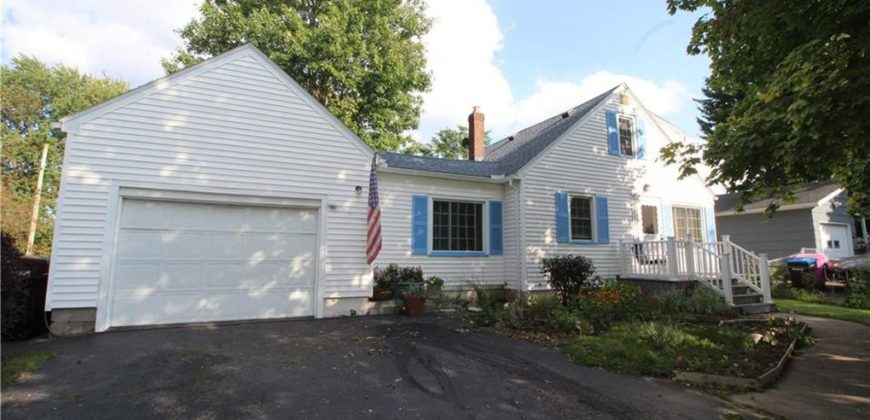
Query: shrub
(611,303)
(15,292)
(544,314)
(569,274)
(386,278)
(434,284)
(411,275)
(858,289)
(700,301)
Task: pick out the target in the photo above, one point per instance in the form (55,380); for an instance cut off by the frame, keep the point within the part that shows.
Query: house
(816,219)
(226,192)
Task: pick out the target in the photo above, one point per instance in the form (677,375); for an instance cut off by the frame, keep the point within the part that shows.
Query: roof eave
(492,179)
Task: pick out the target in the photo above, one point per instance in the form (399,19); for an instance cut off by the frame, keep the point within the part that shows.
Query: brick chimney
(476,133)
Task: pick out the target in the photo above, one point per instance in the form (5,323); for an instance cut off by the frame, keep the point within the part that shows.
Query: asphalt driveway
(365,367)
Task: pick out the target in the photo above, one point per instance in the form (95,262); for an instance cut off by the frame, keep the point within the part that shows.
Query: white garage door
(184,262)
(836,240)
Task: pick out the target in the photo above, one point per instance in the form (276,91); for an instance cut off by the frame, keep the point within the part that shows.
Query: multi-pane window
(457,226)
(649,219)
(581,218)
(687,224)
(626,136)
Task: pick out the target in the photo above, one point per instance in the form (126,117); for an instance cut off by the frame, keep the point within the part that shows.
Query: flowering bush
(615,302)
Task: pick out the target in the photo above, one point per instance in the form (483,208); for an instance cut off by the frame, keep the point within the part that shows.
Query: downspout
(521,238)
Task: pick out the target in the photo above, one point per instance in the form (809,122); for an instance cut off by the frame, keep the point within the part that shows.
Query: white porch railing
(717,264)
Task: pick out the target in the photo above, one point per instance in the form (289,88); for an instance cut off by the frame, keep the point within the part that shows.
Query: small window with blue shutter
(641,138)
(623,138)
(582,219)
(612,133)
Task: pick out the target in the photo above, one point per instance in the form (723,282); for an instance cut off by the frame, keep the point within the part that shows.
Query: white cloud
(124,39)
(461,51)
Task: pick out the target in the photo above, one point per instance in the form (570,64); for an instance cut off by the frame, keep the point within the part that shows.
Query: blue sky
(521,61)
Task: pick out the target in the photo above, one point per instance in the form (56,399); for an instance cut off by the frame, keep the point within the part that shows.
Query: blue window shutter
(602,219)
(612,133)
(711,224)
(420,224)
(562,234)
(496,246)
(667,220)
(641,138)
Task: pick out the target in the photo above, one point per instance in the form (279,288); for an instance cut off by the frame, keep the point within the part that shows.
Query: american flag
(374,218)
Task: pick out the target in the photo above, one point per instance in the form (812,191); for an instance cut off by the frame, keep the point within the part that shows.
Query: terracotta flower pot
(415,305)
(382,295)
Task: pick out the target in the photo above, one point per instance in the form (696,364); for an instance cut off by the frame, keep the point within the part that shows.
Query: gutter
(493,179)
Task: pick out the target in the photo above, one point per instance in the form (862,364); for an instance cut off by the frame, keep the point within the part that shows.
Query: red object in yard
(415,305)
(382,295)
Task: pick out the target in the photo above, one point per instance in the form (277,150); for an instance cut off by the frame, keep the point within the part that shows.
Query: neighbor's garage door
(184,262)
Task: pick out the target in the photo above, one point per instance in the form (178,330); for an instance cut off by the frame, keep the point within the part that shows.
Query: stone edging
(760,382)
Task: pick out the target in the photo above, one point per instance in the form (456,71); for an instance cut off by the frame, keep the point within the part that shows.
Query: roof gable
(71,123)
(806,197)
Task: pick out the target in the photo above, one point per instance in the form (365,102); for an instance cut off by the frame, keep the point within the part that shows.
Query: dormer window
(626,136)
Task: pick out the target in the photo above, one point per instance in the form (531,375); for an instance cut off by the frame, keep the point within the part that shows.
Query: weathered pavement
(367,367)
(830,379)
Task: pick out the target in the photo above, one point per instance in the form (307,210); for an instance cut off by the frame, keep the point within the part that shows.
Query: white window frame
(593,210)
(702,220)
(485,225)
(633,122)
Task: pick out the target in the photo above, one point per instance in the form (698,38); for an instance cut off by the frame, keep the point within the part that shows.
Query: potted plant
(414,290)
(385,281)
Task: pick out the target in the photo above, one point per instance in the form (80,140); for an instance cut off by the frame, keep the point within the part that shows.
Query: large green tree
(35,96)
(788,98)
(447,143)
(363,59)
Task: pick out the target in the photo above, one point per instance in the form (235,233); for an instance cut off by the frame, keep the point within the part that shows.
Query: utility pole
(31,234)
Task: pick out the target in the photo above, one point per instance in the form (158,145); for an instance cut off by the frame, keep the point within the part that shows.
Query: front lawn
(658,348)
(825,311)
(18,364)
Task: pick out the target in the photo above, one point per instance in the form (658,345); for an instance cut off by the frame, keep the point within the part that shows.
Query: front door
(650,220)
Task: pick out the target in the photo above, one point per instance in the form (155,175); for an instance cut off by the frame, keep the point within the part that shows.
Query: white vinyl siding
(580,163)
(457,272)
(235,129)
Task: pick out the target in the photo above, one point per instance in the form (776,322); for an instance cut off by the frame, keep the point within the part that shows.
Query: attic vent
(565,114)
(511,138)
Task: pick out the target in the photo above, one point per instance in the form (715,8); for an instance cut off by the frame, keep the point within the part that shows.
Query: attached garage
(178,261)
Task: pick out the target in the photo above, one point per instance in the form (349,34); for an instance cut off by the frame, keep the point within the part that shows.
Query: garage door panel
(228,218)
(188,216)
(182,244)
(144,214)
(139,244)
(185,262)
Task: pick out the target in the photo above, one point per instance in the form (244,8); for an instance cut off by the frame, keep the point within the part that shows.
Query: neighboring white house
(226,192)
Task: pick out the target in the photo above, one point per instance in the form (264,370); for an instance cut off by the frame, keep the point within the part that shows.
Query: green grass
(17,364)
(825,311)
(659,348)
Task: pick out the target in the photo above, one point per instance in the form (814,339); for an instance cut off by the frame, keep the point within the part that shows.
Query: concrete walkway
(830,379)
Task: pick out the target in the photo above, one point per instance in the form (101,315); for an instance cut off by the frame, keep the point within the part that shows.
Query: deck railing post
(727,277)
(690,259)
(764,273)
(673,263)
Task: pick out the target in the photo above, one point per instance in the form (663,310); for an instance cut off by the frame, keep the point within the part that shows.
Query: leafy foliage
(699,301)
(606,305)
(569,274)
(858,289)
(787,99)
(447,143)
(34,97)
(386,277)
(14,290)
(364,60)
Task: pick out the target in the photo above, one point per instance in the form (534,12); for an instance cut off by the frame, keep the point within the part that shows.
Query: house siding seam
(581,163)
(237,129)
(396,198)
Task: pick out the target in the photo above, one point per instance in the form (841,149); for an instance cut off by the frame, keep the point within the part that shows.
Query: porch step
(739,289)
(747,298)
(755,308)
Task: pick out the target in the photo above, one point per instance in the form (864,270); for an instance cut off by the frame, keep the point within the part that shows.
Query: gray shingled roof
(506,156)
(809,194)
